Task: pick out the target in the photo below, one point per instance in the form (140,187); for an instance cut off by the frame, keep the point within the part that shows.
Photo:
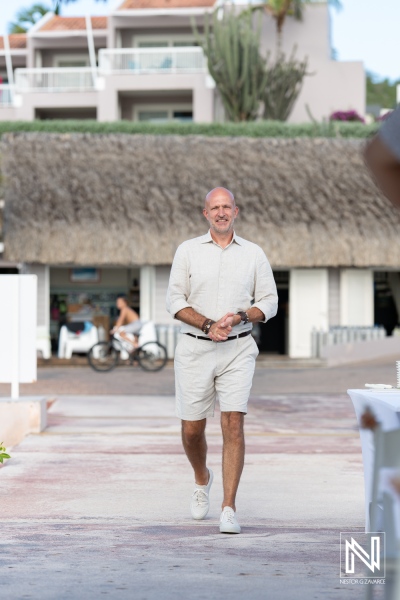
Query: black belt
(232,337)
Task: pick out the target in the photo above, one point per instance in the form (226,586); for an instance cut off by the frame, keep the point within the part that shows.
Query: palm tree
(280,9)
(26,17)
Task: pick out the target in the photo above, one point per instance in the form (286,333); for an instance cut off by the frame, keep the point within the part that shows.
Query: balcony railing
(188,59)
(63,79)
(6,96)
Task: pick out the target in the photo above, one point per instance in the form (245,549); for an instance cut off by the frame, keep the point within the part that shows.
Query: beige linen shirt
(214,280)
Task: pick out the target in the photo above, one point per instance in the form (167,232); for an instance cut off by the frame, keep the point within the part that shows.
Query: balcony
(189,59)
(63,79)
(6,97)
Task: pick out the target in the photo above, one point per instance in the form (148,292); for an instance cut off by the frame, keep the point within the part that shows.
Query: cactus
(285,79)
(235,63)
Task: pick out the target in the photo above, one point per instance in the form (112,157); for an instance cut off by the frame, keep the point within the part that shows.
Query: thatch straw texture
(118,199)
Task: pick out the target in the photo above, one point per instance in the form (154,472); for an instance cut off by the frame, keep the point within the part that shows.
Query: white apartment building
(141,62)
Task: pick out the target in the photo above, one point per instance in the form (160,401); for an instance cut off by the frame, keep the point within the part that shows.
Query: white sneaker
(200,502)
(228,521)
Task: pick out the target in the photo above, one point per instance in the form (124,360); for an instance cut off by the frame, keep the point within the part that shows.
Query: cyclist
(128,322)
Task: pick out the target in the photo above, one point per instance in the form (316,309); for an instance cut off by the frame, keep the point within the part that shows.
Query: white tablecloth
(386,407)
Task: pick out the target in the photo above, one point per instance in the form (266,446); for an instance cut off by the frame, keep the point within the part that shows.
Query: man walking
(219,285)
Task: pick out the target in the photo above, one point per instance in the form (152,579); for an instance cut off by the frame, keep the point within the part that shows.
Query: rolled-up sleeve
(265,293)
(178,287)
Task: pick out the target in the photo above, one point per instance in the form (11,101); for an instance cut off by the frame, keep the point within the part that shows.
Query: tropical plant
(26,17)
(3,453)
(231,46)
(284,83)
(280,9)
(381,92)
(346,115)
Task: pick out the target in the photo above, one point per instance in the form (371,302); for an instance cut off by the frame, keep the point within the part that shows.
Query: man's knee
(193,431)
(232,424)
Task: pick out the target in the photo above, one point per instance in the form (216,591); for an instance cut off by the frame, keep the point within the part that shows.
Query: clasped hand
(220,330)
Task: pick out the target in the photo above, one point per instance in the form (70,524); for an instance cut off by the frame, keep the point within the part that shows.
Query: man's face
(220,211)
(120,303)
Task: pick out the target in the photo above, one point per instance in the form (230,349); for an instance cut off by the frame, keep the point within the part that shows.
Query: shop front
(88,295)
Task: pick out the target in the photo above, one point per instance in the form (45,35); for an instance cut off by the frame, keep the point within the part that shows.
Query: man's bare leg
(232,455)
(132,342)
(195,446)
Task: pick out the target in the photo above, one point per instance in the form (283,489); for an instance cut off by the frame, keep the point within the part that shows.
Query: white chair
(385,507)
(387,456)
(43,343)
(70,342)
(148,334)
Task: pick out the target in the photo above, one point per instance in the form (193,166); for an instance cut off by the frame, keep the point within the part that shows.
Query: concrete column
(203,104)
(147,292)
(107,100)
(308,308)
(356,297)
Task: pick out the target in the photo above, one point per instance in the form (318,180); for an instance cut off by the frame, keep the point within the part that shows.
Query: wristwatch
(207,326)
(243,316)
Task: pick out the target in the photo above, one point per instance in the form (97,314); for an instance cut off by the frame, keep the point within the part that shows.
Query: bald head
(220,210)
(219,192)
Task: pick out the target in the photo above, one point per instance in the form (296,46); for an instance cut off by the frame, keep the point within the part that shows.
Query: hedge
(255,129)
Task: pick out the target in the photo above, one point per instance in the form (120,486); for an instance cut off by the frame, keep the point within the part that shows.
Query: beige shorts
(206,371)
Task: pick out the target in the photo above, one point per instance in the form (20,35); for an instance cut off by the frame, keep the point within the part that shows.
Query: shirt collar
(207,238)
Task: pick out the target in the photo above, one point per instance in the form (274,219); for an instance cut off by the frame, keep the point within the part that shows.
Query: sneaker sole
(226,530)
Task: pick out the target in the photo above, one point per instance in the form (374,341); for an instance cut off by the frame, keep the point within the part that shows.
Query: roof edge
(39,24)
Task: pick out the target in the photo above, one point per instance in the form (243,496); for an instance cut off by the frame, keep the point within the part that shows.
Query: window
(162,113)
(177,40)
(71,61)
(153,116)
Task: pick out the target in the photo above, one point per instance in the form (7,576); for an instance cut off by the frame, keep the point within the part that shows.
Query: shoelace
(200,497)
(229,517)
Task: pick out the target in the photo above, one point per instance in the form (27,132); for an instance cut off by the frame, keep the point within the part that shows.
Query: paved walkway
(290,377)
(97,505)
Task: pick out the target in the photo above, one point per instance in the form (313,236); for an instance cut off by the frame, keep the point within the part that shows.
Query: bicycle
(104,356)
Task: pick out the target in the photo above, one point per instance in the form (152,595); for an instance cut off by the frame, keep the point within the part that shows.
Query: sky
(364,30)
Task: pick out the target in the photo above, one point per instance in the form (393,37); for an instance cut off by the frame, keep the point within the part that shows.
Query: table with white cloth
(385,405)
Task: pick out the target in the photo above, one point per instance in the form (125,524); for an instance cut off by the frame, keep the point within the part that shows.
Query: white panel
(18,292)
(308,308)
(162,317)
(43,293)
(356,297)
(147,292)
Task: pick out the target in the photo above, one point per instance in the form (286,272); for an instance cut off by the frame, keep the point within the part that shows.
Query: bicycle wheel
(103,356)
(152,356)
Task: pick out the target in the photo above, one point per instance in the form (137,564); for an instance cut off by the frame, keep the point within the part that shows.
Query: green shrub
(258,129)
(3,454)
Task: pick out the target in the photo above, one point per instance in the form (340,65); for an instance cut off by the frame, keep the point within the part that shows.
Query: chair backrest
(387,456)
(147,333)
(387,449)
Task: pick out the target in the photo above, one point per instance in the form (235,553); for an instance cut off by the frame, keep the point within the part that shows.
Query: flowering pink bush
(346,115)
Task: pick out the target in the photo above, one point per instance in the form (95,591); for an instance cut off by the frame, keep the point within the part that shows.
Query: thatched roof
(119,199)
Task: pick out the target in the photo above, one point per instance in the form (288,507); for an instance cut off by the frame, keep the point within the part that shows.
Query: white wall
(147,292)
(43,292)
(308,308)
(161,316)
(356,297)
